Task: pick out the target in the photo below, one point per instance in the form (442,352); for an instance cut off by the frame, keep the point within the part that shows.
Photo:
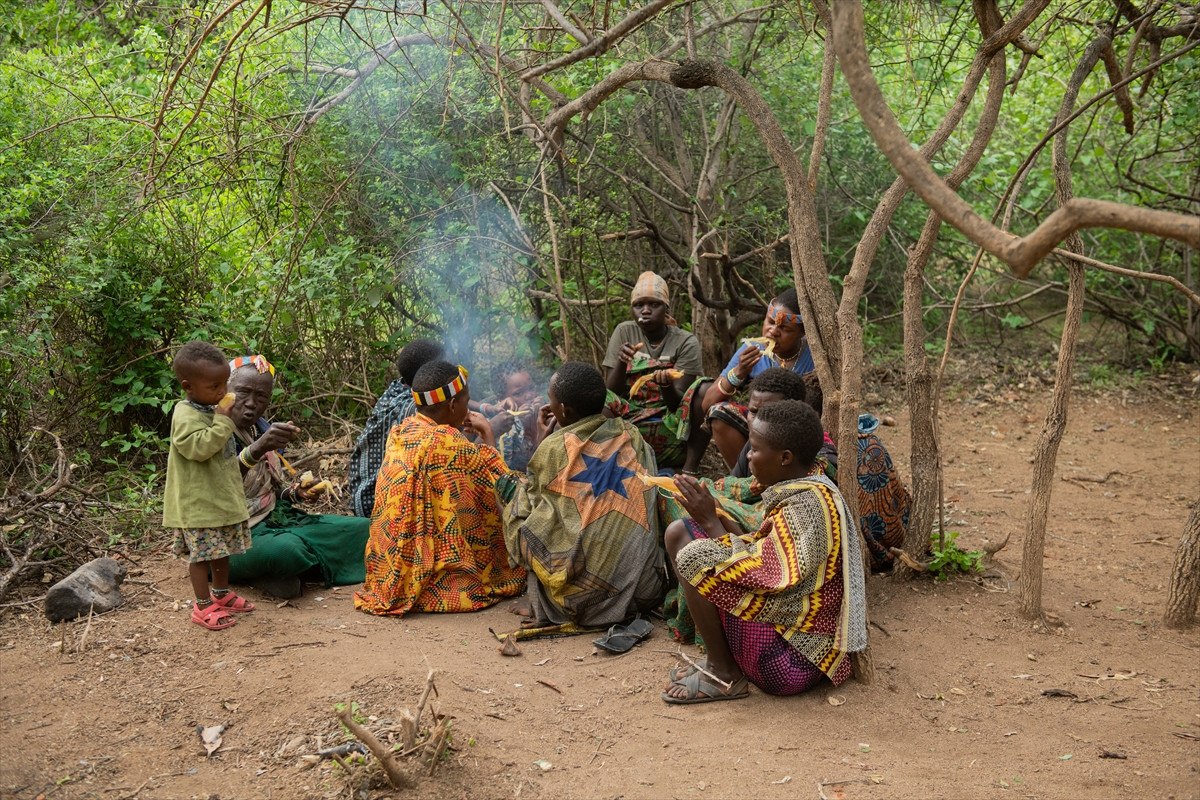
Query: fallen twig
(28,602)
(549,685)
(724,684)
(441,735)
(908,561)
(86,629)
(822,784)
(395,775)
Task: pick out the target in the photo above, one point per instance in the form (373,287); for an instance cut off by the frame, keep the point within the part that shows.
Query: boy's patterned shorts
(209,544)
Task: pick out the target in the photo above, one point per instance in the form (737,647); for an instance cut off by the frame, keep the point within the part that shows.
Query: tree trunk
(926,448)
(711,325)
(1045,452)
(1185,575)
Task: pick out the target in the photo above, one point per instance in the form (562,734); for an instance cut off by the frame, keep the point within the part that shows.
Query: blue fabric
(803,365)
(395,406)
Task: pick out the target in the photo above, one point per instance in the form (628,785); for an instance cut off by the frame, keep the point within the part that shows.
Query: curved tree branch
(1020,253)
(601,43)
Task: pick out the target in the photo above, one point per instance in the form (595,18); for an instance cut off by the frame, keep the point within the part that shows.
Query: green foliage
(133,220)
(950,560)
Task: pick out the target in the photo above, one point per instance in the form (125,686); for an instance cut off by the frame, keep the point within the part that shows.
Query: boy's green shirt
(204,482)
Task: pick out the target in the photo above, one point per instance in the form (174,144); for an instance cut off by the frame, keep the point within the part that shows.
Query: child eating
(204,505)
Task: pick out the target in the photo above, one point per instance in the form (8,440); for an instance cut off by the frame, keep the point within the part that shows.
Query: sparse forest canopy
(323,180)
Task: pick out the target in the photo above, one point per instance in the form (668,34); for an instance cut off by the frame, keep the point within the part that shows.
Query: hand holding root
(698,502)
(660,377)
(628,350)
(225,405)
(751,355)
(479,424)
(308,488)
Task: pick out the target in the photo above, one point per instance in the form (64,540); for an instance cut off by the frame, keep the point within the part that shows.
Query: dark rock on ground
(93,587)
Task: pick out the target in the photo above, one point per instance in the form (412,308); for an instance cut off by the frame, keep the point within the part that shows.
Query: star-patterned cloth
(436,541)
(584,525)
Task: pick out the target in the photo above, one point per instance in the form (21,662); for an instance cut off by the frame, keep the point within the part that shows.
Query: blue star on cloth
(601,477)
(604,474)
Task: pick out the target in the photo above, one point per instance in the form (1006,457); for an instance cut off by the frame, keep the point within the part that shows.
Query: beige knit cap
(650,285)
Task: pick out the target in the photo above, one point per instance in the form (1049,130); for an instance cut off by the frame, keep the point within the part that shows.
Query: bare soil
(971,700)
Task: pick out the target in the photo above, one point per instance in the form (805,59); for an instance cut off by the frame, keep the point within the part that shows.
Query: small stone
(93,587)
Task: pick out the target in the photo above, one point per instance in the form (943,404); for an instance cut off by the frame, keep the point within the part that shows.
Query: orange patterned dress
(437,542)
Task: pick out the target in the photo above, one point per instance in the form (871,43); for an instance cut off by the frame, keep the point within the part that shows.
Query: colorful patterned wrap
(801,572)
(664,430)
(765,657)
(585,526)
(436,542)
(883,500)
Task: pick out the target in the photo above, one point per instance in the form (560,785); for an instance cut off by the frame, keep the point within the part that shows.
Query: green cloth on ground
(291,542)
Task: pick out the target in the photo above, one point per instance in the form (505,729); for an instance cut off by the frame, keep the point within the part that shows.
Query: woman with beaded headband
(437,542)
(782,345)
(287,544)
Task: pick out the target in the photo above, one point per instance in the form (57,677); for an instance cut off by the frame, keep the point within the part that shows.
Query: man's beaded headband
(260,363)
(444,393)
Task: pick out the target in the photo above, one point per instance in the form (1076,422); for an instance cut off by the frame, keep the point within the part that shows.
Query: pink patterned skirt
(763,654)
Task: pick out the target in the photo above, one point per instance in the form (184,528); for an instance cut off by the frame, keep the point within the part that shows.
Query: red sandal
(213,617)
(232,601)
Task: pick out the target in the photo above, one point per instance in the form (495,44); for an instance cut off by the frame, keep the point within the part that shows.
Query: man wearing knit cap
(667,359)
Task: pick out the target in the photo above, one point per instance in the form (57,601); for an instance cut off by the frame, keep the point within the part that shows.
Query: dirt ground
(971,700)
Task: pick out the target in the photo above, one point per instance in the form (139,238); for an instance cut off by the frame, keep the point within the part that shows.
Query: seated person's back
(584,523)
(436,541)
(393,407)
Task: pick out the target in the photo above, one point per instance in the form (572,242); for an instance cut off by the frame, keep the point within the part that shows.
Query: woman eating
(652,369)
(782,345)
(781,607)
(287,545)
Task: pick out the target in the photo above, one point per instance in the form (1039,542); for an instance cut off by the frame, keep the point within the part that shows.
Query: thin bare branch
(601,43)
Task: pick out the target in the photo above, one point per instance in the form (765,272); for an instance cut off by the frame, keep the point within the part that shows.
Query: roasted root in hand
(309,485)
(671,486)
(227,401)
(764,343)
(671,374)
(660,483)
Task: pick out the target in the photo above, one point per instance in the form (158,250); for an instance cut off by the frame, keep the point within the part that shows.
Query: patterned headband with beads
(444,393)
(259,362)
(782,315)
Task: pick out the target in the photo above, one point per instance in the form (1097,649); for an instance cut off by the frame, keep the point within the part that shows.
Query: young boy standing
(204,505)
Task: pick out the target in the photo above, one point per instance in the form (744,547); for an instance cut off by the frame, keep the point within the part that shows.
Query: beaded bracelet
(247,460)
(733,379)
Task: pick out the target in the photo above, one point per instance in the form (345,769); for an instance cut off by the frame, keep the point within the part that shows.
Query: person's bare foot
(521,609)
